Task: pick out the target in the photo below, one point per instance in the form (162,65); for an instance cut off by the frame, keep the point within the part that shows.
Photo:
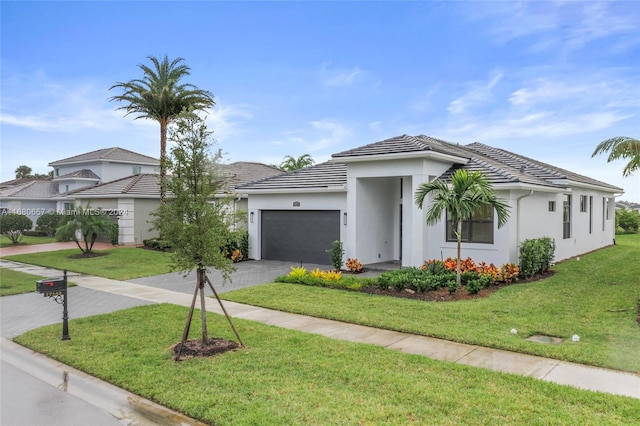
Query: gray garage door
(299,236)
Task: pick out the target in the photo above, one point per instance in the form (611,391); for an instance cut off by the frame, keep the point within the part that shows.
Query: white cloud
(344,77)
(321,135)
(479,94)
(226,120)
(562,26)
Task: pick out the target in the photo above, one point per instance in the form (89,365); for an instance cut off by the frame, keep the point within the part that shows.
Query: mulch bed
(443,295)
(88,255)
(194,347)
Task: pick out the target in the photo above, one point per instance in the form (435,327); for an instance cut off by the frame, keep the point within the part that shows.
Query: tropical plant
(160,96)
(86,223)
(195,223)
(290,164)
(336,252)
(23,171)
(621,147)
(13,225)
(467,193)
(353,265)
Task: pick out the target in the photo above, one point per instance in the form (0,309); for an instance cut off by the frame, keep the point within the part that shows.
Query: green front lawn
(596,298)
(119,264)
(14,282)
(25,240)
(293,378)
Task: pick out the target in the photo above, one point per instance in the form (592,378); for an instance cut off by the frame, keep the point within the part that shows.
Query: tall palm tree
(290,164)
(160,96)
(468,192)
(621,147)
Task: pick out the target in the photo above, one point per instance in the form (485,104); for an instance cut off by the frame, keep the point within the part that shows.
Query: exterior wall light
(344,218)
(251,217)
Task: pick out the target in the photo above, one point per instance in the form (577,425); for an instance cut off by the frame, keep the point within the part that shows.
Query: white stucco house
(364,197)
(33,197)
(135,197)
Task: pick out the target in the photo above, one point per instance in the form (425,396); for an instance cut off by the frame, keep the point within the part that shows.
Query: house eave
(266,191)
(402,156)
(576,184)
(103,160)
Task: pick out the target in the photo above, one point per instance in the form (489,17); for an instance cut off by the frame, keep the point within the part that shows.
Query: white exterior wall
(140,212)
(33,209)
(284,201)
(497,253)
(113,171)
(375,192)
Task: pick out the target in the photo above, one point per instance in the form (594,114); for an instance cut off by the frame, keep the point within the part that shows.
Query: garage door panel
(299,236)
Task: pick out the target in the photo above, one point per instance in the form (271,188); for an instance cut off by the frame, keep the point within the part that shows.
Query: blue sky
(548,80)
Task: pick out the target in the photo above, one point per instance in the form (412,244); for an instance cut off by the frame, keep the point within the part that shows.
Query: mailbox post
(57,288)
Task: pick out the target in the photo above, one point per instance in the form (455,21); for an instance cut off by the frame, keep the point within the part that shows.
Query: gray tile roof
(500,166)
(528,170)
(243,172)
(79,174)
(31,189)
(115,154)
(327,175)
(142,185)
(148,185)
(405,144)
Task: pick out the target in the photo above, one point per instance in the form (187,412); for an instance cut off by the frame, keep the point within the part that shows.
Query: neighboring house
(35,197)
(628,205)
(133,198)
(122,182)
(364,198)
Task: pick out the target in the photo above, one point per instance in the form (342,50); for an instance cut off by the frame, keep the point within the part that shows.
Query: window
(604,209)
(590,214)
(552,206)
(137,170)
(57,172)
(478,229)
(583,203)
(566,216)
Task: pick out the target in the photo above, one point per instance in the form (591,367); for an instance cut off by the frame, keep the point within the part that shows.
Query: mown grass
(16,282)
(294,378)
(25,240)
(119,264)
(595,297)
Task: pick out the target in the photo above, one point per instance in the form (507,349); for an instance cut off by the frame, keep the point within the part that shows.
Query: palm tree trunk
(163,156)
(459,240)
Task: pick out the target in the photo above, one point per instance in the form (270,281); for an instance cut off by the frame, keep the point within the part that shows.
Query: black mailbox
(50,285)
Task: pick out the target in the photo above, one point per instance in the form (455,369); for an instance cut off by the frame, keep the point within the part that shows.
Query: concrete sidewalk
(560,372)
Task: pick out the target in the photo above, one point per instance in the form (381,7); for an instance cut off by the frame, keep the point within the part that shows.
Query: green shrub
(13,225)
(452,285)
(336,252)
(628,221)
(157,244)
(475,285)
(35,233)
(536,256)
(48,223)
(344,283)
(467,276)
(435,267)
